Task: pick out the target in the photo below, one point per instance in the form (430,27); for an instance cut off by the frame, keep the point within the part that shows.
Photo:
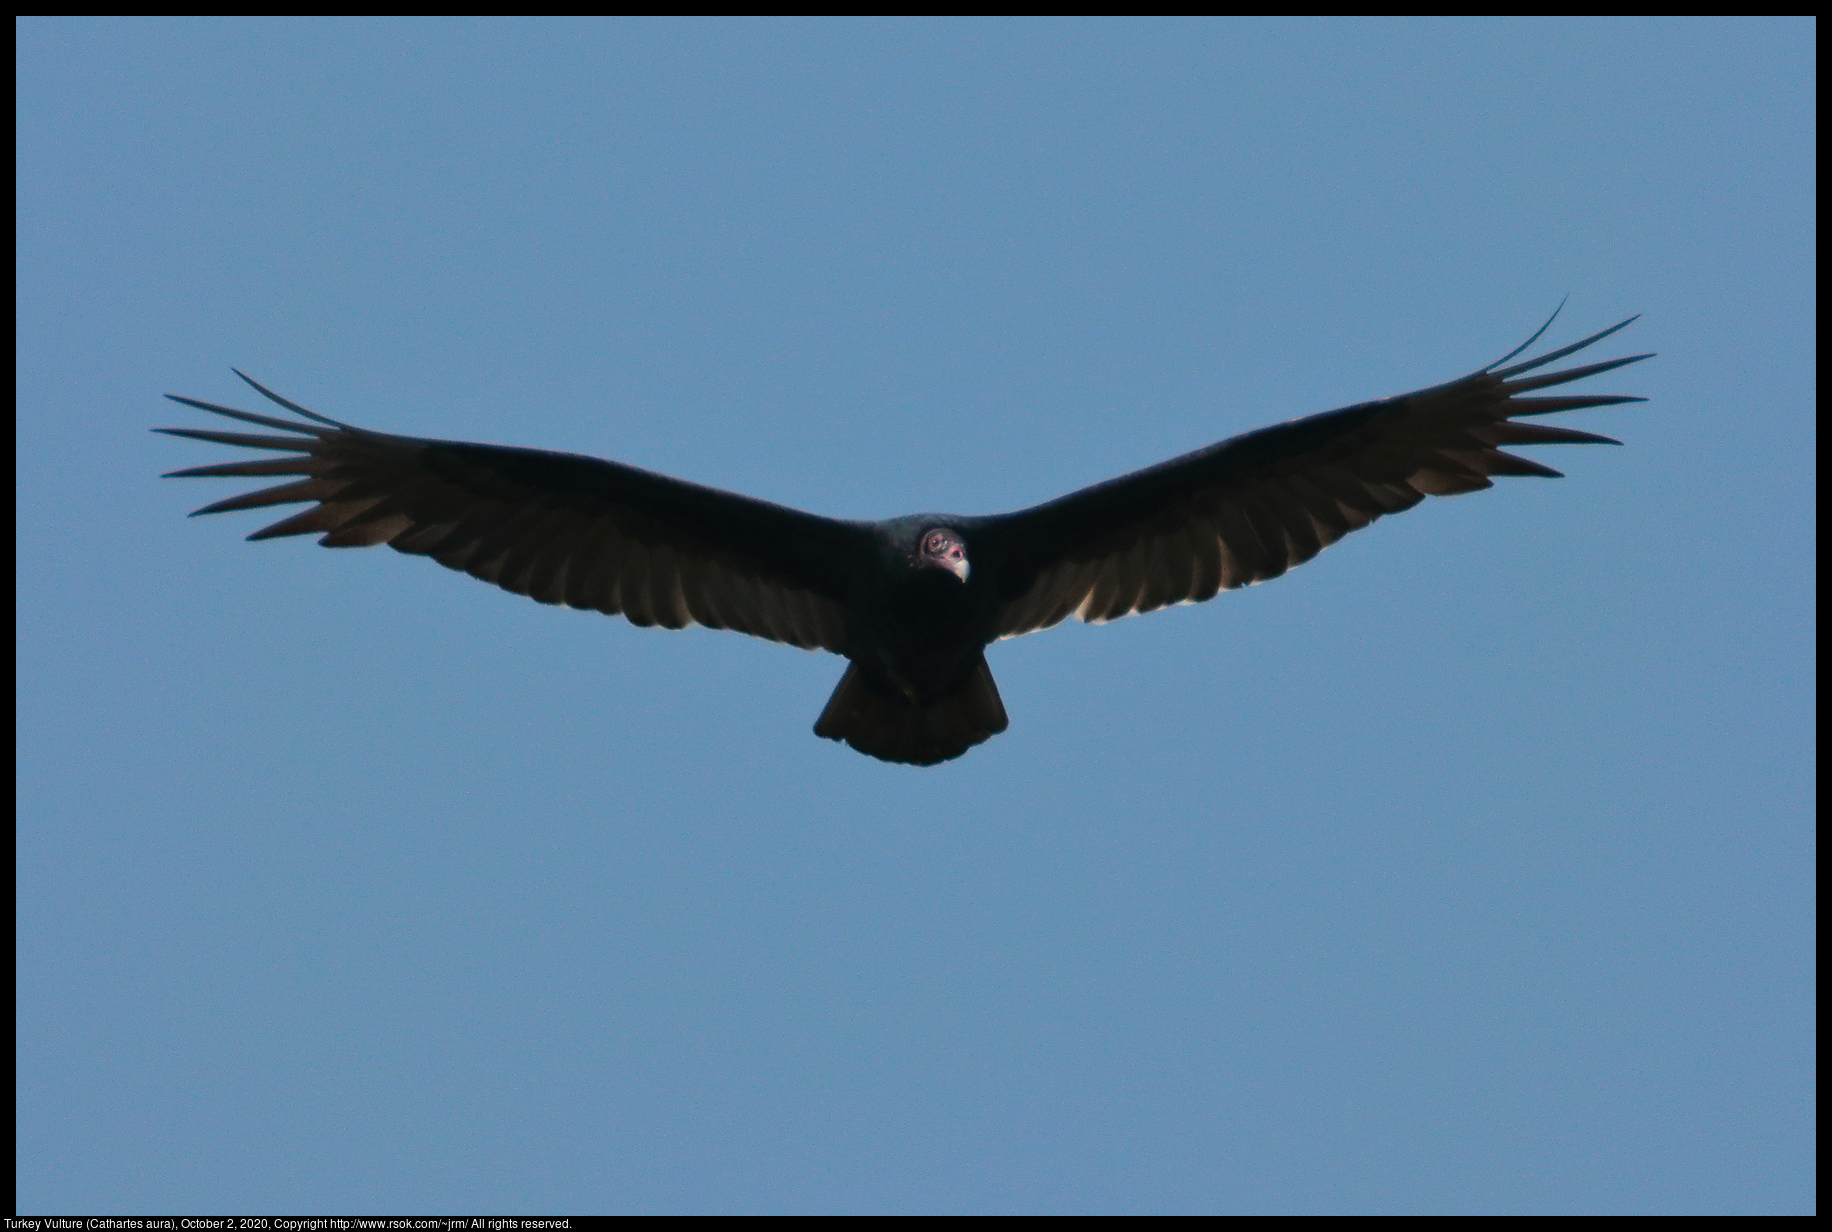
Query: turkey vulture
(912,602)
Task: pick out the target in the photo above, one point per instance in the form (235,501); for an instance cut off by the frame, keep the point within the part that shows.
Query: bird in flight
(911,602)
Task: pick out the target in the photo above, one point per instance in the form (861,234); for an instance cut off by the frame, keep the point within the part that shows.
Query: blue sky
(1467,869)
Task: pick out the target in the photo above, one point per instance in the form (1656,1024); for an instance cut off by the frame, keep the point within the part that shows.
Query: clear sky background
(1465,869)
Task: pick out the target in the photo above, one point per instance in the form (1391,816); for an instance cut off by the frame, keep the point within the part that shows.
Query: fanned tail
(888,727)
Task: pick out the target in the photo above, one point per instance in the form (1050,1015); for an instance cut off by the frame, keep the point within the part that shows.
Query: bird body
(918,622)
(914,601)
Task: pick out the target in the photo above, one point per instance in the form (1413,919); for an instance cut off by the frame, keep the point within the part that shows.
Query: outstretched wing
(559,528)
(1251,507)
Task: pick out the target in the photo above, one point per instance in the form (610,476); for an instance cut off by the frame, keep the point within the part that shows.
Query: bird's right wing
(1250,508)
(559,528)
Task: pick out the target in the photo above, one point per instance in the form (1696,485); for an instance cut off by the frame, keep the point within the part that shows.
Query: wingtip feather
(288,403)
(1559,354)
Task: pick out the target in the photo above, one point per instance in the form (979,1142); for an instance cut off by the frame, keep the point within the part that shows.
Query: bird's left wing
(1251,507)
(559,528)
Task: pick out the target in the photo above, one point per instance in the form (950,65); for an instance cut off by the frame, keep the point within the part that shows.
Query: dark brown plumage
(911,601)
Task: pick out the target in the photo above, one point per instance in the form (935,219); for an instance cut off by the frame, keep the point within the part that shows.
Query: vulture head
(941,548)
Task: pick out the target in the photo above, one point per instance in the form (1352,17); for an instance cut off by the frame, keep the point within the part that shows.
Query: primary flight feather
(912,602)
